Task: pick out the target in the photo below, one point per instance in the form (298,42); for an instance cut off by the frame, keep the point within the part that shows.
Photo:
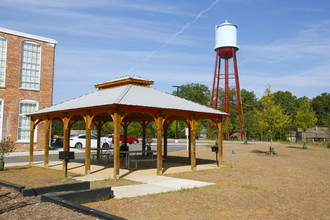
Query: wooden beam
(99,125)
(125,126)
(88,121)
(32,127)
(159,124)
(47,142)
(116,117)
(166,124)
(144,124)
(66,124)
(189,144)
(192,135)
(220,142)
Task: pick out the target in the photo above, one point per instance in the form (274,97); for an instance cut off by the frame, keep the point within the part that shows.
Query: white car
(79,141)
(107,138)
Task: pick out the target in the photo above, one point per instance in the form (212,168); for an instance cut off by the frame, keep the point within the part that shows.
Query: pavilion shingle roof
(132,95)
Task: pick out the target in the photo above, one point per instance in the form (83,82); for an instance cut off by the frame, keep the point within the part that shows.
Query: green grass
(250,187)
(212,207)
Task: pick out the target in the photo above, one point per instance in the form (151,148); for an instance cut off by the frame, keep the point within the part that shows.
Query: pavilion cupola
(123,81)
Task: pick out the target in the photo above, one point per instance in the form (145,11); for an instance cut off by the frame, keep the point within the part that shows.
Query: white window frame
(27,65)
(5,63)
(23,116)
(1,116)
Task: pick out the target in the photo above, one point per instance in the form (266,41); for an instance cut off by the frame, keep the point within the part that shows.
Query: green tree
(107,128)
(227,126)
(249,101)
(135,129)
(287,102)
(305,118)
(321,106)
(271,117)
(250,104)
(79,125)
(57,127)
(195,92)
(251,128)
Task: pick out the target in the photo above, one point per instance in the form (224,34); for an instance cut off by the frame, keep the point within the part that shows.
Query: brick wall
(12,94)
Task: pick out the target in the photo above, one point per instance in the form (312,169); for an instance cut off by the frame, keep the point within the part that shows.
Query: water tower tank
(226,39)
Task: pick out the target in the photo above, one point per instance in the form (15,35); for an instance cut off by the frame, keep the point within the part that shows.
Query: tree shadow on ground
(259,152)
(295,147)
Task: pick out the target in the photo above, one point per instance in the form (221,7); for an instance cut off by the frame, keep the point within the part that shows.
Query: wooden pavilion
(124,100)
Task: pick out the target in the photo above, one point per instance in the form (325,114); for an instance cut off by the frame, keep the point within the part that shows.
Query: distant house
(316,134)
(26,83)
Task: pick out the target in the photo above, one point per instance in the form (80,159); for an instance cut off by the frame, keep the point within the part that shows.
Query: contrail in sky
(187,25)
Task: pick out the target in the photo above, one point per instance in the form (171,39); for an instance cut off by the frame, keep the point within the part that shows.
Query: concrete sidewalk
(150,183)
(155,184)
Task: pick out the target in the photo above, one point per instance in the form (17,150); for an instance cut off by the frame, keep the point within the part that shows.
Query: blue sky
(285,44)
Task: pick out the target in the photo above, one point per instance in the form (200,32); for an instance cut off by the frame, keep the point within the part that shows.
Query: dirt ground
(294,184)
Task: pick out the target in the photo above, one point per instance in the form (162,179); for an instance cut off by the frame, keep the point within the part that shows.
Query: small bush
(6,146)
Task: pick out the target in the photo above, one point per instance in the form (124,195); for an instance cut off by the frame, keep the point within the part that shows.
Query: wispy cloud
(183,28)
(313,42)
(76,5)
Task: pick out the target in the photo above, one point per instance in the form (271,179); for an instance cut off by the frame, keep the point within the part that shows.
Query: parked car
(130,139)
(79,141)
(107,138)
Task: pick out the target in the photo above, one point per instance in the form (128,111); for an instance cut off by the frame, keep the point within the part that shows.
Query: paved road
(23,157)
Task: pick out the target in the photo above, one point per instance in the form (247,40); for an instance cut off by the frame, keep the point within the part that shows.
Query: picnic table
(102,153)
(136,156)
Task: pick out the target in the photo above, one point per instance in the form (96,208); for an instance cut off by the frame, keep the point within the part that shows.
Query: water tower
(225,49)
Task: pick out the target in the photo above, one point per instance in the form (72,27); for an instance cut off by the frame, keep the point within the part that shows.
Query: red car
(130,139)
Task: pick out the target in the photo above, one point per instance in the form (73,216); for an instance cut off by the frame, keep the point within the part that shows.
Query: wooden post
(192,135)
(189,144)
(32,127)
(165,139)
(125,126)
(88,121)
(220,143)
(116,117)
(47,142)
(66,123)
(159,124)
(144,124)
(99,128)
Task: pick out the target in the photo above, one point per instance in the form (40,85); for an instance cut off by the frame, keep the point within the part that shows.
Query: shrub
(6,146)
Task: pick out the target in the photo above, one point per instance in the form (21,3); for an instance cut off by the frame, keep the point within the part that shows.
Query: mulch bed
(14,206)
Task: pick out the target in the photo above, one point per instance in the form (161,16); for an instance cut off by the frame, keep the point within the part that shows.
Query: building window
(23,131)
(3,55)
(1,117)
(30,68)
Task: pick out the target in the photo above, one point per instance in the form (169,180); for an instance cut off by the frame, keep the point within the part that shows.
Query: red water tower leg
(238,94)
(226,94)
(218,85)
(214,96)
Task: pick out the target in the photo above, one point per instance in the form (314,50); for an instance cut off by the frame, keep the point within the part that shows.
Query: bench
(106,155)
(142,159)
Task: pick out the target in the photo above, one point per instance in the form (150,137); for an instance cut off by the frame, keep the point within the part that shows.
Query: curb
(71,200)
(12,185)
(56,188)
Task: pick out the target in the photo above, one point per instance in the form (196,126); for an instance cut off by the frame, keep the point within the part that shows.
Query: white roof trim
(31,36)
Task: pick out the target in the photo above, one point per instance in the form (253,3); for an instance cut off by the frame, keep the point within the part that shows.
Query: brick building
(26,84)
